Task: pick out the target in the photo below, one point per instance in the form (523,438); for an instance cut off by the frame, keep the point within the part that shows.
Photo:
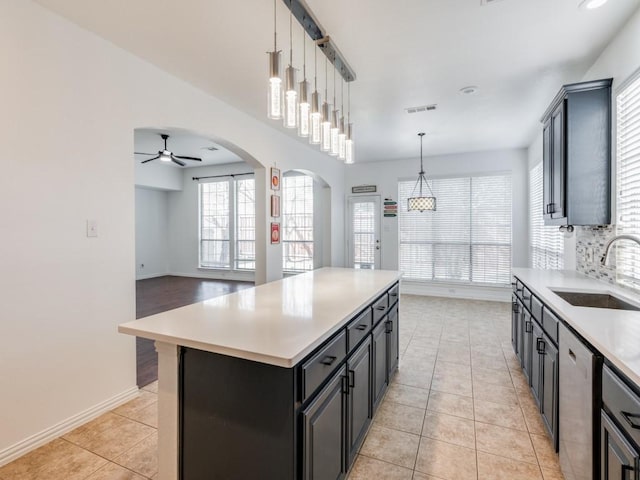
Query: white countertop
(278,323)
(614,333)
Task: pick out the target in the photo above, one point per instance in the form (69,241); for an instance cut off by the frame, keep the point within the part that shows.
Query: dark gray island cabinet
(251,414)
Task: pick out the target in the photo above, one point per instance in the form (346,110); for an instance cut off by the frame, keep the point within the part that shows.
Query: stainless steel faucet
(603,260)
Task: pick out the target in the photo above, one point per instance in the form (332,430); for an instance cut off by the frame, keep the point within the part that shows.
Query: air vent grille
(489,2)
(211,149)
(421,108)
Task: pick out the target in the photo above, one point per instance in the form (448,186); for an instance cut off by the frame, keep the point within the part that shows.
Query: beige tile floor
(458,408)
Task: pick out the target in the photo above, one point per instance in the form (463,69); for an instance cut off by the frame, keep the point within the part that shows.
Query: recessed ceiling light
(591,4)
(470,90)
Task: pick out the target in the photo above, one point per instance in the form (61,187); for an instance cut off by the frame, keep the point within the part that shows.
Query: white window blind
(214,224)
(547,243)
(628,183)
(364,233)
(467,239)
(297,223)
(245,221)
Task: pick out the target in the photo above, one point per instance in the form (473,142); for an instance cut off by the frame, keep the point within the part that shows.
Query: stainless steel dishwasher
(579,428)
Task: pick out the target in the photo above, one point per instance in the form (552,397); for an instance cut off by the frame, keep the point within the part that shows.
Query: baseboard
(452,290)
(151,275)
(45,436)
(218,275)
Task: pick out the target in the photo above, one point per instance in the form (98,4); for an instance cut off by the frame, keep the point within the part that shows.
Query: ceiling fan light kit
(166,155)
(324,127)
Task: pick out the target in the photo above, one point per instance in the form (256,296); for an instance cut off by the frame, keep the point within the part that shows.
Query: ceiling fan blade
(142,153)
(188,158)
(175,160)
(154,158)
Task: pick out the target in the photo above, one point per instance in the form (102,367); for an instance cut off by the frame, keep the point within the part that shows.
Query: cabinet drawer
(358,328)
(316,370)
(380,308)
(622,402)
(550,324)
(536,308)
(393,294)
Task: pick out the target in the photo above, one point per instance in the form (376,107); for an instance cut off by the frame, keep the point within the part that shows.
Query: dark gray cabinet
(527,345)
(516,311)
(324,424)
(358,400)
(392,341)
(549,396)
(577,155)
(536,364)
(379,363)
(619,459)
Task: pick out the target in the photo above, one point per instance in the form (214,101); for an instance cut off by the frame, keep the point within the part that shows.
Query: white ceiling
(181,142)
(405,53)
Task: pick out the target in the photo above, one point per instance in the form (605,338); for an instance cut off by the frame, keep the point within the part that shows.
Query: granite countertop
(278,323)
(614,333)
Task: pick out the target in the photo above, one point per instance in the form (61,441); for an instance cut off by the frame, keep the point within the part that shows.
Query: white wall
(79,98)
(152,233)
(158,175)
(386,175)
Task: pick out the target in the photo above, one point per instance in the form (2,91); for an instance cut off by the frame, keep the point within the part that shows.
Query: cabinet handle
(352,378)
(389,326)
(393,294)
(540,346)
(345,384)
(524,297)
(515,308)
(528,326)
(381,308)
(362,326)
(328,360)
(625,469)
(629,418)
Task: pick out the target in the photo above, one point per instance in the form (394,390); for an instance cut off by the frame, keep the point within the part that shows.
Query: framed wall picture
(275,178)
(275,206)
(275,232)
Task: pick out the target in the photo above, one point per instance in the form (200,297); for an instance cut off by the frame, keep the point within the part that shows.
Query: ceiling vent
(489,2)
(422,108)
(211,149)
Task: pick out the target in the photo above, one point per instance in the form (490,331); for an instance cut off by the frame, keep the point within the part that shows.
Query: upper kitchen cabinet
(577,155)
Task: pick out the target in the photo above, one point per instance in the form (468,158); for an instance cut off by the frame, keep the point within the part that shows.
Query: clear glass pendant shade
(348,157)
(334,133)
(290,98)
(326,127)
(274,97)
(342,140)
(304,110)
(315,133)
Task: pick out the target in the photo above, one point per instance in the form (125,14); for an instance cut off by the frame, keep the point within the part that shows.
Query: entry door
(364,232)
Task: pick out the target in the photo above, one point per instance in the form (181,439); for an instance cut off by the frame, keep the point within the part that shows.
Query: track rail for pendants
(304,16)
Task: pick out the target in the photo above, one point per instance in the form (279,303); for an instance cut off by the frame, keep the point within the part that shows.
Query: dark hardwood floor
(160,294)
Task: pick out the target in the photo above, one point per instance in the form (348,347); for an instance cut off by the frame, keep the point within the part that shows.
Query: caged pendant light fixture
(421,202)
(274,100)
(290,94)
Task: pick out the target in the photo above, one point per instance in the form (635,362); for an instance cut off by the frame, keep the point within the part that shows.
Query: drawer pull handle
(540,346)
(389,327)
(629,418)
(362,326)
(352,378)
(393,294)
(381,308)
(514,308)
(528,326)
(524,297)
(328,360)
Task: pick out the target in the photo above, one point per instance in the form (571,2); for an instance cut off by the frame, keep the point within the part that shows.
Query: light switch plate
(92,228)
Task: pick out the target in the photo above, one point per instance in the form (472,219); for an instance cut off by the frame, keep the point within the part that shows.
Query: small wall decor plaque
(275,232)
(275,206)
(275,178)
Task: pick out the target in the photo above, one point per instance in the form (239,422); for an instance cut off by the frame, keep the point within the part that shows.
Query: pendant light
(342,134)
(326,114)
(274,96)
(304,106)
(421,202)
(290,94)
(334,121)
(348,157)
(316,116)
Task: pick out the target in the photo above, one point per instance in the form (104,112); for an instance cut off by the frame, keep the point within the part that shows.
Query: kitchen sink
(596,300)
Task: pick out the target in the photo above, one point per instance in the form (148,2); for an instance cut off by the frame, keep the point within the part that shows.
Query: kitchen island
(278,381)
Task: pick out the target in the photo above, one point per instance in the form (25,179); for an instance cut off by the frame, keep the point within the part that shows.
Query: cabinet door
(324,431)
(515,322)
(521,319)
(392,343)
(619,460)
(536,363)
(558,143)
(549,394)
(546,170)
(527,345)
(359,400)
(379,363)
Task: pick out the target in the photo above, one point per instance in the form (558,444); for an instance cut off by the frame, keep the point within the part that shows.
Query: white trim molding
(45,436)
(453,290)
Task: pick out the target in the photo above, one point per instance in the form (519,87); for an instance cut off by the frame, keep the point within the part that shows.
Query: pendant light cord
(348,102)
(315,68)
(421,178)
(275,25)
(290,35)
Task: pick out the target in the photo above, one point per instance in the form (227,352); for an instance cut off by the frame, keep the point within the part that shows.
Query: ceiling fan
(166,155)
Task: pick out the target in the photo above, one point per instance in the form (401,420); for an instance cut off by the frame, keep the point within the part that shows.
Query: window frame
(285,242)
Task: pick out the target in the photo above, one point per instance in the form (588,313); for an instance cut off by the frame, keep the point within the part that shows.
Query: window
(227,228)
(467,239)
(547,243)
(628,182)
(297,222)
